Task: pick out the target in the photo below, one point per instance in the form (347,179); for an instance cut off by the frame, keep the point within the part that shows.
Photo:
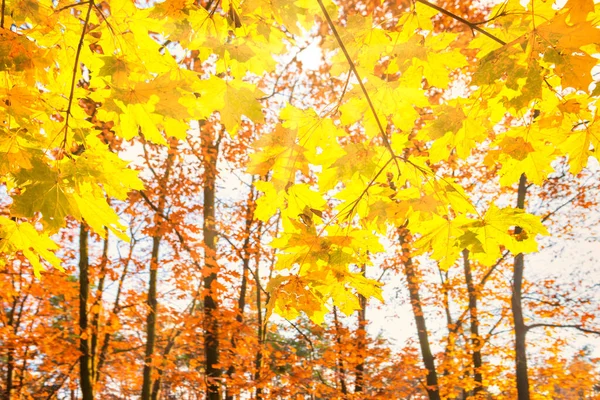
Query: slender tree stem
(152,287)
(475,339)
(3,10)
(361,339)
(517,307)
(415,299)
(241,304)
(115,310)
(151,320)
(98,301)
(85,373)
(210,148)
(339,359)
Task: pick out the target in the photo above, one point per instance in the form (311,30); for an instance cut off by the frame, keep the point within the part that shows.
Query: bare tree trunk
(85,373)
(151,321)
(210,150)
(474,320)
(361,340)
(415,299)
(152,287)
(96,317)
(517,308)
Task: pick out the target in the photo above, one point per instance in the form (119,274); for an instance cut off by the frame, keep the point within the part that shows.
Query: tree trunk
(156,386)
(339,358)
(239,319)
(415,299)
(85,373)
(115,310)
(210,149)
(25,356)
(151,321)
(517,308)
(261,328)
(474,321)
(361,340)
(10,366)
(152,285)
(241,304)
(10,358)
(96,316)
(157,383)
(447,367)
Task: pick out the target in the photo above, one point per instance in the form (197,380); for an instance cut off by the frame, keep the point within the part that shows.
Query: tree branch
(384,136)
(471,25)
(70,5)
(578,327)
(74,76)
(569,201)
(2,11)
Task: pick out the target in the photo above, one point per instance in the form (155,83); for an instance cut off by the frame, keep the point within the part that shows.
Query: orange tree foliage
(418,122)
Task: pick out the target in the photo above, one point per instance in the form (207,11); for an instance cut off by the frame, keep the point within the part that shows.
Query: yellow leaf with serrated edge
(97,213)
(302,196)
(366,287)
(292,295)
(232,99)
(484,237)
(580,146)
(268,204)
(44,189)
(15,236)
(100,165)
(440,236)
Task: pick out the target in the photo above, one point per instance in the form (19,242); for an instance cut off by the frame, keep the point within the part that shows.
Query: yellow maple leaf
(97,213)
(15,236)
(440,236)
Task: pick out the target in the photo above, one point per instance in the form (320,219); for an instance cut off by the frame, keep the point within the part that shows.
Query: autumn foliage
(311,199)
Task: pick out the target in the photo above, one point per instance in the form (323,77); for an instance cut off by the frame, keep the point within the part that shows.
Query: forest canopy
(207,199)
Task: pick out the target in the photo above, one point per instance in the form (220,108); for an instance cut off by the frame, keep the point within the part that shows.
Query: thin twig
(569,201)
(366,189)
(75,66)
(69,5)
(284,69)
(464,21)
(384,136)
(578,327)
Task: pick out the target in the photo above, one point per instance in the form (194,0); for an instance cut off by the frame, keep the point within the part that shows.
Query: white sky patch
(312,56)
